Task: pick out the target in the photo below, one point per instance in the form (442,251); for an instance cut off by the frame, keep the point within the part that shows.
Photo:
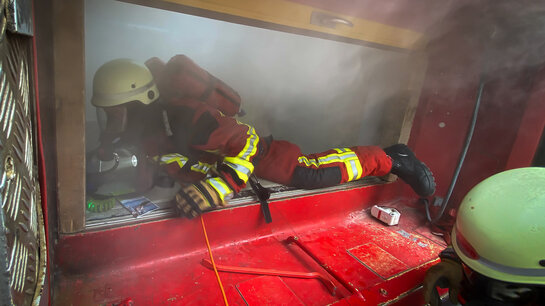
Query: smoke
(321,94)
(509,34)
(315,92)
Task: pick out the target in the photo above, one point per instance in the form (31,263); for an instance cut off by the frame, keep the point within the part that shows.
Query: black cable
(462,157)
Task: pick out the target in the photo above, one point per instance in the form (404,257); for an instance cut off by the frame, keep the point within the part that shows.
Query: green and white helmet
(500,227)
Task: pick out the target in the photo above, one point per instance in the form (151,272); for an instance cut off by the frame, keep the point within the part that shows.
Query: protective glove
(446,274)
(193,200)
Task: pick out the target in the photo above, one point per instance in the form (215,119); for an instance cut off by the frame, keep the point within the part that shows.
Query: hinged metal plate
(23,241)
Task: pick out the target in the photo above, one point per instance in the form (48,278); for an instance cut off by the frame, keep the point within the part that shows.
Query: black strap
(263,195)
(205,193)
(191,202)
(228,170)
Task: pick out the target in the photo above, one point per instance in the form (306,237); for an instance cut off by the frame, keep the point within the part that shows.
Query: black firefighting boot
(411,170)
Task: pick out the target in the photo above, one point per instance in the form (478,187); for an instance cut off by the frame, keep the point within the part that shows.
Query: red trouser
(285,164)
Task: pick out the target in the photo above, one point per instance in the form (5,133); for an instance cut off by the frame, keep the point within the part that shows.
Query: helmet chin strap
(166,123)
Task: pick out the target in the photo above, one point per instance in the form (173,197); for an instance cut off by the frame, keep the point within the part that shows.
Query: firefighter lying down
(183,117)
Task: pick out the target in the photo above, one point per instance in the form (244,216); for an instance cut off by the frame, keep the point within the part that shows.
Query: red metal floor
(160,262)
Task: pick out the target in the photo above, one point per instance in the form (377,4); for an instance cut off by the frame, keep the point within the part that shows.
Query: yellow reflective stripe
(359,169)
(324,160)
(220,187)
(307,162)
(348,157)
(241,163)
(242,168)
(352,164)
(201,167)
(250,149)
(182,160)
(172,158)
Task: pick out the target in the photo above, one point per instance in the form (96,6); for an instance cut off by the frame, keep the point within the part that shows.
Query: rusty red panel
(506,131)
(444,113)
(531,128)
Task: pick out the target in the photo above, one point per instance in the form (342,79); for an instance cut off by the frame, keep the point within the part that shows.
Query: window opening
(317,93)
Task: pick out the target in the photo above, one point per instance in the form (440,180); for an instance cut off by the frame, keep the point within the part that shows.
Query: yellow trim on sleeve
(172,158)
(241,163)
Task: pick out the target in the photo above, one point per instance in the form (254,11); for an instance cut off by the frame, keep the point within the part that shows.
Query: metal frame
(69,79)
(292,17)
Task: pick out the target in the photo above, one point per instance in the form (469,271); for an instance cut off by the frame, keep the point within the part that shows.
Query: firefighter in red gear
(184,118)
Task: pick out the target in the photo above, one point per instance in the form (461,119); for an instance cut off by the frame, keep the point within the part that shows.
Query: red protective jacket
(208,144)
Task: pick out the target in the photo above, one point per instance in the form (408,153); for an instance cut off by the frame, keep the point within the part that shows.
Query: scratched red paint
(378,260)
(160,264)
(267,290)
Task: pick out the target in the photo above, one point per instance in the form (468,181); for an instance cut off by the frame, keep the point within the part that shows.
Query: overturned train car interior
(164,151)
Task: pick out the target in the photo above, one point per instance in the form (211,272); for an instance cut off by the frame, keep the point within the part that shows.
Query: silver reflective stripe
(173,158)
(201,167)
(354,169)
(344,155)
(328,159)
(512,270)
(123,95)
(331,158)
(166,124)
(239,168)
(252,143)
(221,187)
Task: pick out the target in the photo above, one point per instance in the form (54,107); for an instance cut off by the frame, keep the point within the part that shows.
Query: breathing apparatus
(121,89)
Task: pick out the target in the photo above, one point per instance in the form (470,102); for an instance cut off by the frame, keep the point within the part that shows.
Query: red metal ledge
(160,262)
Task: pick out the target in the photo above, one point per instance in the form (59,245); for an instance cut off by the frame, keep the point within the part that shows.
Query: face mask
(112,120)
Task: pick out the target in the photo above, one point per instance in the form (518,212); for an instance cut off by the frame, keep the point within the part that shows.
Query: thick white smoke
(314,92)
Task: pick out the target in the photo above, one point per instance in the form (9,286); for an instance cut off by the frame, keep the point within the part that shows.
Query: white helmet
(122,81)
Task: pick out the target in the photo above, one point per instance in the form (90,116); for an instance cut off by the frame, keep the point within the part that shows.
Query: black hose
(462,157)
